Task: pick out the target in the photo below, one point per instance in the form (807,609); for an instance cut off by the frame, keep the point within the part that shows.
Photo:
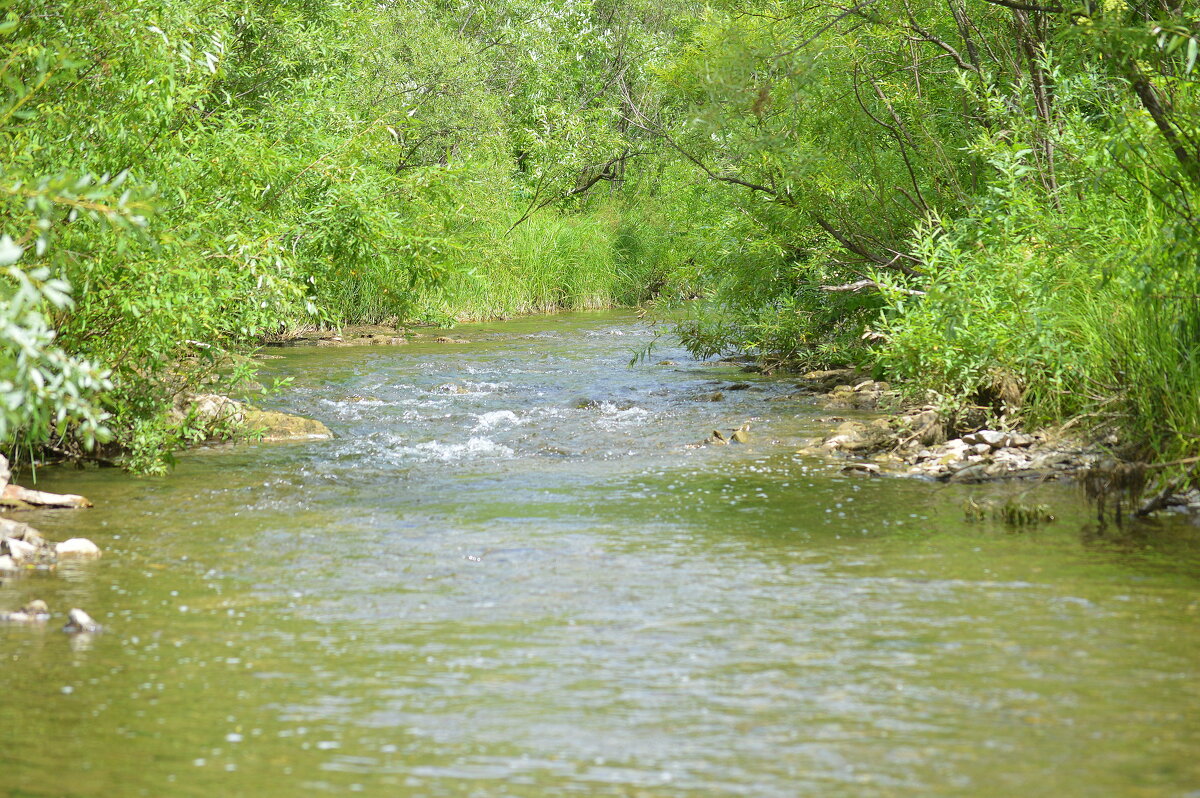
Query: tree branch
(863,285)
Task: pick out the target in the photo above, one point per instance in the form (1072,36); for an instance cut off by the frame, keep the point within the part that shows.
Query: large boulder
(276,426)
(215,411)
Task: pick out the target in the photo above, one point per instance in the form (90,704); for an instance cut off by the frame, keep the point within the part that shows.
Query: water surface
(507,576)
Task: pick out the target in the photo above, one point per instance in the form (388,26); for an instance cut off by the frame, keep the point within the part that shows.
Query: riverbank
(894,437)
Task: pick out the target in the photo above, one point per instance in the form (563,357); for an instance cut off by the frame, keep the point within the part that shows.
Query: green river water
(525,585)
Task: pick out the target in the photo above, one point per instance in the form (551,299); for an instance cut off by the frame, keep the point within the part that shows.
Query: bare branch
(863,285)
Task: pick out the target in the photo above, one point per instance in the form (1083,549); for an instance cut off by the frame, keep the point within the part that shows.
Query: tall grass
(550,262)
(1144,344)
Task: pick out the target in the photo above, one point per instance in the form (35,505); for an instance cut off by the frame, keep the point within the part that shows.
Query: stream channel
(507,576)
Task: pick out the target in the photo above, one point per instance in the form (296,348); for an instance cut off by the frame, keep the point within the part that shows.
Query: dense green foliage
(200,173)
(1000,197)
(992,200)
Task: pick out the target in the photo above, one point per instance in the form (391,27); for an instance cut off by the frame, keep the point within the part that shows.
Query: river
(507,576)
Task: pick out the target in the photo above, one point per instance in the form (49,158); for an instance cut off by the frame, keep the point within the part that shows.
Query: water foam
(616,417)
(486,421)
(475,447)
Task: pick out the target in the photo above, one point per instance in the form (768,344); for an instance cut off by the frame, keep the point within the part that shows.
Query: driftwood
(16,496)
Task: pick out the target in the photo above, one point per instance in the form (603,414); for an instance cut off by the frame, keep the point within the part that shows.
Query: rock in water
(35,611)
(7,565)
(285,427)
(15,530)
(19,550)
(214,410)
(79,622)
(77,547)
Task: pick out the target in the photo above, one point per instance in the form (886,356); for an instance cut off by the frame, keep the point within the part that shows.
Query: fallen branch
(20,498)
(863,285)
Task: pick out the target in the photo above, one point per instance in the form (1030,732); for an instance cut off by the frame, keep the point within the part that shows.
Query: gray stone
(33,537)
(993,438)
(19,549)
(13,529)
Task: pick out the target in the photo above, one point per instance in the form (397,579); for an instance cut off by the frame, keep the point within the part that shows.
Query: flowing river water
(507,576)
